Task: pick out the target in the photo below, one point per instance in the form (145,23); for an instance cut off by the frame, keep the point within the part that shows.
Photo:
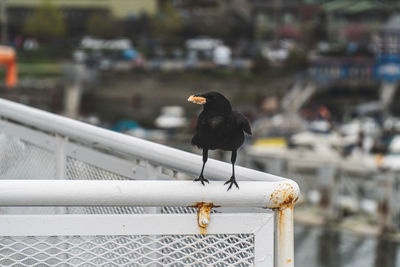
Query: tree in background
(46,23)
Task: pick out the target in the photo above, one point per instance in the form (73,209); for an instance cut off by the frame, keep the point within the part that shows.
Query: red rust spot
(203,215)
(200,204)
(283,197)
(289,261)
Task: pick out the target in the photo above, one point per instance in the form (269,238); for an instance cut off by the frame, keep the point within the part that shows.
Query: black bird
(218,127)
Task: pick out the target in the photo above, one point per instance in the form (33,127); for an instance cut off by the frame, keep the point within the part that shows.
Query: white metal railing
(137,193)
(339,185)
(252,226)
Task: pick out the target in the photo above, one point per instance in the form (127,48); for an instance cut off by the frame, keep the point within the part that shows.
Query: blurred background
(317,79)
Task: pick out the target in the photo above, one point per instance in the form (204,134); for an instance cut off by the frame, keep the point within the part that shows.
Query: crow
(218,127)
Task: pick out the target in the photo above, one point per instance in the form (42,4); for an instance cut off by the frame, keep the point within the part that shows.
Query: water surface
(319,246)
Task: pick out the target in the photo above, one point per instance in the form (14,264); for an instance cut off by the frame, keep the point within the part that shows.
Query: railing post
(60,164)
(60,157)
(285,237)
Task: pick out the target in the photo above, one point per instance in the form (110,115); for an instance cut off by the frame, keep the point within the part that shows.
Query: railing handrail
(265,191)
(140,193)
(163,155)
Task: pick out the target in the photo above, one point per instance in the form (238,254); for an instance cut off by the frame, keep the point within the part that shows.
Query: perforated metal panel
(40,155)
(77,169)
(170,210)
(20,158)
(168,250)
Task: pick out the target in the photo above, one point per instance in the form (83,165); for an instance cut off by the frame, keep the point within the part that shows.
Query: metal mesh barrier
(38,145)
(77,169)
(20,159)
(136,250)
(170,210)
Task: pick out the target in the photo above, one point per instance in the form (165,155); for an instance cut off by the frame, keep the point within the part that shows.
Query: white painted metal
(74,147)
(166,156)
(123,167)
(285,237)
(118,165)
(38,138)
(60,228)
(60,157)
(143,224)
(264,248)
(133,193)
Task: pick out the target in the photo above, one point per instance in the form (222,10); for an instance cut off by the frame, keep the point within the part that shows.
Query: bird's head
(211,100)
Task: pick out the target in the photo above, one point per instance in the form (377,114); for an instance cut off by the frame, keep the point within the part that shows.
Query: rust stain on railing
(283,197)
(203,215)
(285,235)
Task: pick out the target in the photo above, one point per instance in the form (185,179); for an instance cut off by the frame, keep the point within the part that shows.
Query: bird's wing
(200,121)
(216,121)
(242,122)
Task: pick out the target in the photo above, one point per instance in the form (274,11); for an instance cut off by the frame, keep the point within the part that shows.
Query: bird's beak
(197,99)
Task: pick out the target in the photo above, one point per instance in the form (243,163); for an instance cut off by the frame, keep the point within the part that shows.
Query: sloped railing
(76,194)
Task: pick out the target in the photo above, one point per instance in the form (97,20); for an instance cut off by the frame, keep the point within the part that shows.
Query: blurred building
(273,19)
(356,20)
(387,49)
(332,20)
(77,13)
(218,18)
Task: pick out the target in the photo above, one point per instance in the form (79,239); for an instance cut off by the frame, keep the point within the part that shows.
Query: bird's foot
(231,182)
(201,179)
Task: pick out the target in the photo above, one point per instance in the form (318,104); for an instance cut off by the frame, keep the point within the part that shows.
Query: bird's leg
(232,181)
(201,177)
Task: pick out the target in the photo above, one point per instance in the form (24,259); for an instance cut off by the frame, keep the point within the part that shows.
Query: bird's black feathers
(219,127)
(243,123)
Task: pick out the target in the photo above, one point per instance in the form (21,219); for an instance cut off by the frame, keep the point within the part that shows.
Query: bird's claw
(201,179)
(231,182)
